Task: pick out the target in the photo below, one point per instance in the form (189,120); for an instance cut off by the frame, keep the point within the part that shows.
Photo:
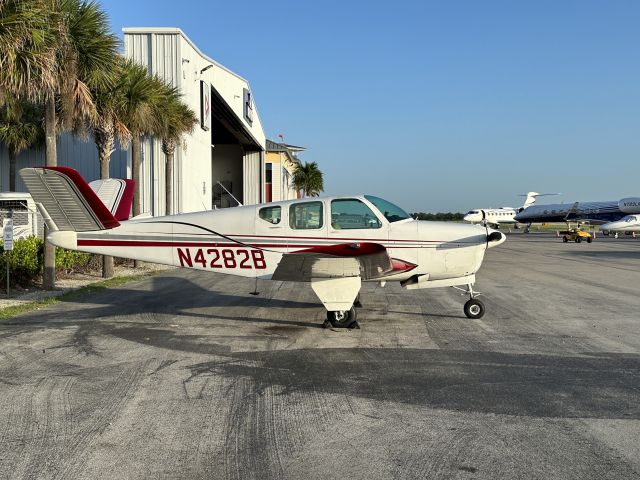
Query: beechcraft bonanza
(497,217)
(592,212)
(333,243)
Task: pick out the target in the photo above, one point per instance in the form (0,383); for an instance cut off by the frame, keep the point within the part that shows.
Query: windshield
(391,212)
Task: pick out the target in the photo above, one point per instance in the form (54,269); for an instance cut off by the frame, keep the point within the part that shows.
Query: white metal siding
(160,53)
(276,182)
(252,167)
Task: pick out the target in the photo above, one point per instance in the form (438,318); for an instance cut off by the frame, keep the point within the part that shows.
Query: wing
(365,260)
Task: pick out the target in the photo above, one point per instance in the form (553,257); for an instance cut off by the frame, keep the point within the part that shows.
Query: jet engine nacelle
(630,205)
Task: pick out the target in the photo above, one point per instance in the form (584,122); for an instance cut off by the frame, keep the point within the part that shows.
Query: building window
(271,214)
(248,106)
(352,214)
(305,216)
(268,172)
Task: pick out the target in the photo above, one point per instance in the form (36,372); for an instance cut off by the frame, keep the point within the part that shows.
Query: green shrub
(25,261)
(70,260)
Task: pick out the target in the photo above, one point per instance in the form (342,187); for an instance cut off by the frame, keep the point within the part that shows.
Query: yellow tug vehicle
(576,235)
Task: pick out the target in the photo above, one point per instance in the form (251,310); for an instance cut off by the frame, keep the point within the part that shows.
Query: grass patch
(10,312)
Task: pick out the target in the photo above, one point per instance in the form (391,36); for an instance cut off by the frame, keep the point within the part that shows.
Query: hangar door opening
(236,158)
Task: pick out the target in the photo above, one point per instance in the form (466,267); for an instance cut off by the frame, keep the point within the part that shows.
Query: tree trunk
(49,275)
(104,136)
(12,171)
(136,158)
(169,150)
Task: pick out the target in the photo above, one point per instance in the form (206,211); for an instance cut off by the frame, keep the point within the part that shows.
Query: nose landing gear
(473,308)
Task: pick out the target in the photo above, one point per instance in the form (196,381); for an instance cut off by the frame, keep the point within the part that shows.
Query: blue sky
(437,106)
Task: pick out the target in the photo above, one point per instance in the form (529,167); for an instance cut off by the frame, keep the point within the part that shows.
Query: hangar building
(224,157)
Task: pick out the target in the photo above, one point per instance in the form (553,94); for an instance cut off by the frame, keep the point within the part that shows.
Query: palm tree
(176,120)
(142,96)
(20,128)
(308,178)
(29,36)
(56,51)
(86,57)
(107,126)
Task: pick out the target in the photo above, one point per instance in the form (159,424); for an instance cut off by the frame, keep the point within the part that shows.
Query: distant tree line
(446,217)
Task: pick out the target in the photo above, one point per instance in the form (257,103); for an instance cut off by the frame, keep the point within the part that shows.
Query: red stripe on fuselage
(147,243)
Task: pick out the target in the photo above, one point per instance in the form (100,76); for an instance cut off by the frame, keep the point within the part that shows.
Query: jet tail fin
(69,202)
(531,198)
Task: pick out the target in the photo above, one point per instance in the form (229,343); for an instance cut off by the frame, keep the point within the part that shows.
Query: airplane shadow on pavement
(601,385)
(170,296)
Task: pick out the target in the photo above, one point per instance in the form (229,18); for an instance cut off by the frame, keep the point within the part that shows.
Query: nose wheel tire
(474,309)
(357,303)
(343,318)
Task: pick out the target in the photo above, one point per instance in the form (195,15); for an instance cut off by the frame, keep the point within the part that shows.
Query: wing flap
(365,260)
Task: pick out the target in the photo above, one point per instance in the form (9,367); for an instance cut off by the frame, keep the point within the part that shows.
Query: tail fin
(68,200)
(531,198)
(116,194)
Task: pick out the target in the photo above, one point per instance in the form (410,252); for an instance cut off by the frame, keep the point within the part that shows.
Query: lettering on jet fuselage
(222,258)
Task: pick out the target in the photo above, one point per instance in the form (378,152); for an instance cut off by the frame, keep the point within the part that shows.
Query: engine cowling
(629,205)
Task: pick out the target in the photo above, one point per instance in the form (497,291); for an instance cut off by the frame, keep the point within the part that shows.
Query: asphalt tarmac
(188,375)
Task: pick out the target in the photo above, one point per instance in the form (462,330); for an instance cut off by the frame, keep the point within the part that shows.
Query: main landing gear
(473,308)
(344,318)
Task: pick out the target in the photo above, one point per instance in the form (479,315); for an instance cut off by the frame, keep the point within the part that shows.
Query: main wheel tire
(578,239)
(342,318)
(474,309)
(589,239)
(565,239)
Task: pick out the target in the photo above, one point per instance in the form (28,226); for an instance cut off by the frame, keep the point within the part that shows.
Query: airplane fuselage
(492,216)
(239,241)
(627,224)
(596,212)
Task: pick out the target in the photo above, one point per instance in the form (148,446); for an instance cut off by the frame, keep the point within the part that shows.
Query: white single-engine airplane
(333,243)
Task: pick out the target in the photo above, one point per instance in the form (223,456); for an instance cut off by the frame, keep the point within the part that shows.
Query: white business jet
(333,243)
(495,217)
(628,224)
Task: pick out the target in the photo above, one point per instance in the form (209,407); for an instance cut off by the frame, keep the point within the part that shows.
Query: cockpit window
(271,214)
(630,218)
(391,212)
